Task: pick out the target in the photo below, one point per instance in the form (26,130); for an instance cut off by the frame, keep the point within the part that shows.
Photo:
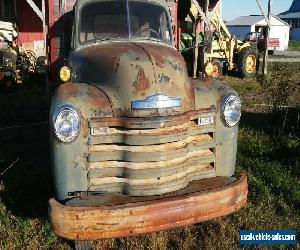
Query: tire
(247,62)
(218,68)
(82,245)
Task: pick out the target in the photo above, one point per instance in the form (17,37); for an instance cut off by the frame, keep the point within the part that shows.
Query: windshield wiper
(105,39)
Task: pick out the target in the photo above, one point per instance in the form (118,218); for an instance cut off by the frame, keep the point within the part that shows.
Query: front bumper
(120,217)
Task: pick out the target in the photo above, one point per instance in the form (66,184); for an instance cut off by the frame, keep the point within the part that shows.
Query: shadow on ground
(27,184)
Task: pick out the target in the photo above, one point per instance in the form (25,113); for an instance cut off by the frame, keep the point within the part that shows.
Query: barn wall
(29,25)
(30,28)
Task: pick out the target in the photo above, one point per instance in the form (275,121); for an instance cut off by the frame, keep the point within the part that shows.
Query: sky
(234,8)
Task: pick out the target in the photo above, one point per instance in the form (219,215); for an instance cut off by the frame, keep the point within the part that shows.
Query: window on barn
(7,8)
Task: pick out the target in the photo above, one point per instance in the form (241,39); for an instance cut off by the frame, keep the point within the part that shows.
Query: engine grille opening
(150,161)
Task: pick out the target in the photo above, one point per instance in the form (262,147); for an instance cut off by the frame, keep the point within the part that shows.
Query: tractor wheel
(247,62)
(217,68)
(82,245)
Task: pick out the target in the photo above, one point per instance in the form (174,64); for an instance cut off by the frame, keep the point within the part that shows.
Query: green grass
(294,45)
(268,150)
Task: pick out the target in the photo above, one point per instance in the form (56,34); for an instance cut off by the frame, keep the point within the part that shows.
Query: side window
(151,22)
(103,19)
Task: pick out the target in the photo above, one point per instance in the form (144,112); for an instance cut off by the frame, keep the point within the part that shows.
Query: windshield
(105,20)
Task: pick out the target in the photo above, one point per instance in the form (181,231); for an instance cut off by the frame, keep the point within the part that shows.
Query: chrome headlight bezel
(227,100)
(56,115)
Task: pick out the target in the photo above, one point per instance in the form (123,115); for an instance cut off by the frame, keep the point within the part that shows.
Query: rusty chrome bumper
(207,200)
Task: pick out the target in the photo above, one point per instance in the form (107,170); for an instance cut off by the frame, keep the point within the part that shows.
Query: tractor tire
(218,68)
(82,245)
(247,62)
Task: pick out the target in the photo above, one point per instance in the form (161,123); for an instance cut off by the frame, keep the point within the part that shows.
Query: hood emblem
(157,102)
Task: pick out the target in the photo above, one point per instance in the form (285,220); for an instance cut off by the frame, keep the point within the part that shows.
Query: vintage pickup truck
(137,145)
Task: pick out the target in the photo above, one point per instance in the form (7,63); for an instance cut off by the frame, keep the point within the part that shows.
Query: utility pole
(203,56)
(198,18)
(265,59)
(196,51)
(206,5)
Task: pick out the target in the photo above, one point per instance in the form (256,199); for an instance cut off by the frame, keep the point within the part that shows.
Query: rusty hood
(129,71)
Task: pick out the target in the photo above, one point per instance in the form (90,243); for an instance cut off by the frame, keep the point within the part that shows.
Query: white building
(245,24)
(292,17)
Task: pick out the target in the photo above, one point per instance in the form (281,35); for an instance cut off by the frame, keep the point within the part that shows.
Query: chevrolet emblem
(156,102)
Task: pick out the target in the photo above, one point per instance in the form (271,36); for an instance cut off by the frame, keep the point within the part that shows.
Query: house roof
(290,15)
(251,20)
(245,21)
(295,7)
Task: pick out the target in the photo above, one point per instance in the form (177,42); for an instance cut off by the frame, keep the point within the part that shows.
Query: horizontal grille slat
(154,136)
(151,122)
(166,168)
(150,188)
(191,170)
(128,156)
(195,139)
(203,156)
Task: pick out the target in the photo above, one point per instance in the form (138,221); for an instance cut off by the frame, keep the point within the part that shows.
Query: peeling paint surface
(131,71)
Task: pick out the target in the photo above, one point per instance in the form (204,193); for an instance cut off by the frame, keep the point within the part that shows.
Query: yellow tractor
(216,50)
(225,52)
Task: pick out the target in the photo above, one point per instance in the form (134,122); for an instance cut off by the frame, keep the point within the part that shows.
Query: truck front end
(138,146)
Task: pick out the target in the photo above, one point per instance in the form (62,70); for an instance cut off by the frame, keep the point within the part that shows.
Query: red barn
(29,24)
(34,18)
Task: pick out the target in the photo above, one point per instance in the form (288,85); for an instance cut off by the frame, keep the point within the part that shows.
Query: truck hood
(127,72)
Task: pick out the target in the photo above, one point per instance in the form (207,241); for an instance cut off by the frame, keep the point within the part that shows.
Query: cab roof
(164,3)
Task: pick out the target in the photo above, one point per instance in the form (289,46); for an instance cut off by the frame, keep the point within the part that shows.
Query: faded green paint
(210,93)
(70,160)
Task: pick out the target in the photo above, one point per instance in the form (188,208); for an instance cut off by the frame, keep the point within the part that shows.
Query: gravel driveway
(284,57)
(287,53)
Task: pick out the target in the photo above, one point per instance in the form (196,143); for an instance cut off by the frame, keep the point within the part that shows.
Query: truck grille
(149,157)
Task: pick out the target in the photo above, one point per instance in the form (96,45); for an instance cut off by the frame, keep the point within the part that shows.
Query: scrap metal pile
(16,63)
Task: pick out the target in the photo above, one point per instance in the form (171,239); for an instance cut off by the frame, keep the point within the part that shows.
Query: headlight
(209,69)
(231,110)
(66,123)
(65,74)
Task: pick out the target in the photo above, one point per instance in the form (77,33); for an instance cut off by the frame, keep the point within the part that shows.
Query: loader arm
(217,22)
